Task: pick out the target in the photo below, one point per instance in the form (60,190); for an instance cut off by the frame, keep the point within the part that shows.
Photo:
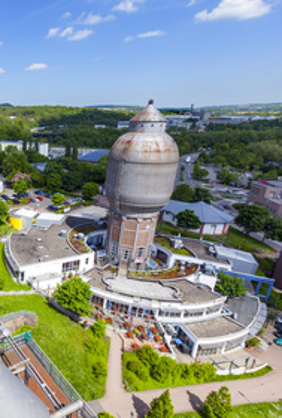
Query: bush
(99,368)
(138,368)
(74,295)
(161,407)
(253,342)
(105,415)
(99,328)
(148,356)
(163,369)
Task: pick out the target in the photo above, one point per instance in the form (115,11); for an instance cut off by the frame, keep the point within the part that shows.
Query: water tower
(140,178)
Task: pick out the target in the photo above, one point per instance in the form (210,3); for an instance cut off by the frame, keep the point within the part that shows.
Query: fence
(70,393)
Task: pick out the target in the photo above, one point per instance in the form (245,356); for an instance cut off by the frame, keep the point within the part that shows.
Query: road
(122,404)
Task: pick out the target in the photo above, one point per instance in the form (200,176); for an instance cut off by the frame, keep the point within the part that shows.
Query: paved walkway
(187,398)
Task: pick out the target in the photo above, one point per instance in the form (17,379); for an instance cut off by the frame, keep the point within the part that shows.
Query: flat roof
(28,249)
(233,253)
(94,156)
(217,327)
(51,216)
(201,250)
(154,289)
(24,213)
(246,308)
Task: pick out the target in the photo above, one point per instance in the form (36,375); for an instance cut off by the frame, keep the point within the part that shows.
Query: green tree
(67,149)
(183,193)
(231,286)
(74,295)
(218,404)
(20,186)
(227,177)
(188,220)
(253,218)
(54,182)
(4,212)
(161,407)
(74,154)
(89,190)
(273,229)
(198,172)
(58,199)
(202,194)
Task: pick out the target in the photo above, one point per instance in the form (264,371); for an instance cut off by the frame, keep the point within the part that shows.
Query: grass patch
(244,242)
(9,283)
(265,267)
(266,409)
(63,341)
(275,298)
(165,243)
(164,228)
(7,229)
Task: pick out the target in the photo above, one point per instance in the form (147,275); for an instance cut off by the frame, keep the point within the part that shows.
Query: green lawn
(62,340)
(244,242)
(165,243)
(9,283)
(267,410)
(166,229)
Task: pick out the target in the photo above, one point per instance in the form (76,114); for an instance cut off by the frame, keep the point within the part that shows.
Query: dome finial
(151,101)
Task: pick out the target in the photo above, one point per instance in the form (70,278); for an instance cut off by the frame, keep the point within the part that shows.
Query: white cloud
(235,9)
(80,34)
(1,43)
(191,3)
(53,32)
(149,34)
(66,15)
(92,19)
(66,32)
(36,66)
(2,71)
(128,6)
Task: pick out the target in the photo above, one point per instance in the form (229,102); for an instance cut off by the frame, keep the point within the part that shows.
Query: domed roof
(149,114)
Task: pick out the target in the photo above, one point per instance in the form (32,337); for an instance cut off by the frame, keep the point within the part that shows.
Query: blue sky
(89,52)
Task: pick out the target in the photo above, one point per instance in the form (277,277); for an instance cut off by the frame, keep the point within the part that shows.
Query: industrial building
(140,178)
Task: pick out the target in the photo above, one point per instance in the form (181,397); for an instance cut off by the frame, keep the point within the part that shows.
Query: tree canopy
(185,193)
(20,186)
(74,295)
(89,190)
(161,407)
(188,220)
(218,404)
(4,212)
(253,218)
(231,286)
(58,199)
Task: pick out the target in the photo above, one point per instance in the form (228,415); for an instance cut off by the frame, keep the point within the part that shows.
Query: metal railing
(70,393)
(9,316)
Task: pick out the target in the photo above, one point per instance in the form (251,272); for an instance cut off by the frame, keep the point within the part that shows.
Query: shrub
(99,368)
(105,415)
(74,295)
(161,407)
(99,328)
(95,345)
(163,369)
(148,356)
(253,342)
(137,367)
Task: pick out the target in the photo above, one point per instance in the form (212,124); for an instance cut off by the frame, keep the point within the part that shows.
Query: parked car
(15,201)
(33,200)
(278,341)
(40,192)
(49,195)
(279,320)
(5,197)
(278,334)
(40,198)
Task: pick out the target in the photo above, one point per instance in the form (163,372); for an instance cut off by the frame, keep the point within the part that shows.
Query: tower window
(140,252)
(126,254)
(114,248)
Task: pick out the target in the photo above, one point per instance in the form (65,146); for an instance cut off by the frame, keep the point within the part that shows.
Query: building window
(114,248)
(86,260)
(126,254)
(71,265)
(140,252)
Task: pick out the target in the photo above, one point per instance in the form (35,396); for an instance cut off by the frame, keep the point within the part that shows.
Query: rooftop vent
(63,233)
(39,239)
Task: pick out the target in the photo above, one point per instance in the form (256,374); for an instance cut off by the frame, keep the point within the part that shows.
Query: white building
(42,146)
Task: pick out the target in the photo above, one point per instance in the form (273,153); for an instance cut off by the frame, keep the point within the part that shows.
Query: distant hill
(6,104)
